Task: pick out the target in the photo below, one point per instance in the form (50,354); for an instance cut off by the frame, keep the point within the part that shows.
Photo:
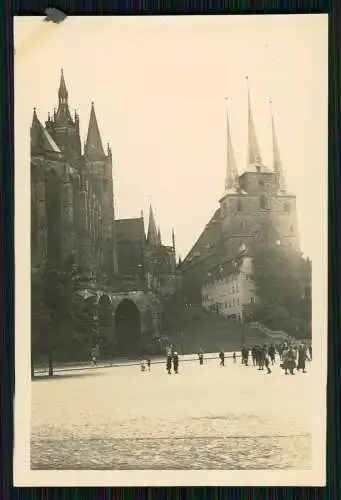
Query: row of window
(227,280)
(230,303)
(263,203)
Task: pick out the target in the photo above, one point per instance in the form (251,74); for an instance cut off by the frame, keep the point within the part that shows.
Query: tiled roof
(206,243)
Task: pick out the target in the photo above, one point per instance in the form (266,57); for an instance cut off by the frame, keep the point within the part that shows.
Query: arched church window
(262,201)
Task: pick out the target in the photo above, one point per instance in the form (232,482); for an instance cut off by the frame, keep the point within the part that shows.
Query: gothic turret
(159,236)
(63,115)
(63,129)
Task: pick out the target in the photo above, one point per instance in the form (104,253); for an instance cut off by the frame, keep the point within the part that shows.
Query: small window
(252,300)
(234,303)
(237,288)
(239,205)
(233,289)
(237,301)
(291,230)
(261,183)
(287,207)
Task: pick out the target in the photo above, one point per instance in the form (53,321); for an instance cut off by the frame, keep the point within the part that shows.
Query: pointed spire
(173,239)
(254,157)
(93,145)
(231,180)
(62,92)
(41,141)
(159,236)
(63,115)
(152,238)
(277,163)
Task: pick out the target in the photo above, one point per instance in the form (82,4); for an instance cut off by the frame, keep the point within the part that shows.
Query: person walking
(302,357)
(176,362)
(272,353)
(148,364)
(234,357)
(222,358)
(201,357)
(169,363)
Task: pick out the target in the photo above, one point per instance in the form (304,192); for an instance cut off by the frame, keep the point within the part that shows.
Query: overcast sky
(159,83)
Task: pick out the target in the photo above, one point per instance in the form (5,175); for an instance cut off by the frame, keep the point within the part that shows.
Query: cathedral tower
(98,168)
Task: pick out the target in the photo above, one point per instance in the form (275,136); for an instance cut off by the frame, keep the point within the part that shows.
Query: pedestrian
(254,355)
(169,363)
(148,364)
(222,358)
(302,357)
(266,360)
(201,357)
(176,362)
(272,353)
(234,357)
(143,365)
(261,353)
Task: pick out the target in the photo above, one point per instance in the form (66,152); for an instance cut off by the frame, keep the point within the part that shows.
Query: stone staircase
(193,328)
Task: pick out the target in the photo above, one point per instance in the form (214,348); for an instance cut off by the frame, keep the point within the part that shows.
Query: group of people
(291,356)
(172,361)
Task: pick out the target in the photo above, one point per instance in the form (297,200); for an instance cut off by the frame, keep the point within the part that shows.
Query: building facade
(229,289)
(73,224)
(256,207)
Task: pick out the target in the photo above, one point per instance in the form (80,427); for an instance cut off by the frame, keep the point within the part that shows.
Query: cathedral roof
(206,242)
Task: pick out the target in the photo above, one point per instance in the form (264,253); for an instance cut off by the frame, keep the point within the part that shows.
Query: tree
(283,285)
(60,323)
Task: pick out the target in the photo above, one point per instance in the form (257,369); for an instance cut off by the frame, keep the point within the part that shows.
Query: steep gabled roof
(206,243)
(41,140)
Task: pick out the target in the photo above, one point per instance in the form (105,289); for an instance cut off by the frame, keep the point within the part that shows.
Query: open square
(206,417)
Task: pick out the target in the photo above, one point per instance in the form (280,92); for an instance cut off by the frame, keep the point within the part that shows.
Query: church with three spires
(73,224)
(256,207)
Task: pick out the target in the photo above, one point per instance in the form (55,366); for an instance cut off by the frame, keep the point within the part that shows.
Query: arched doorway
(127,327)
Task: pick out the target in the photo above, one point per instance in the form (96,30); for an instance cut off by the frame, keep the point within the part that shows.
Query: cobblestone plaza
(206,417)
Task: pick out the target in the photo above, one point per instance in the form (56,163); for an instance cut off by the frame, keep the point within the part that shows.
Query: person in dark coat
(302,357)
(201,356)
(234,357)
(254,355)
(176,362)
(261,354)
(272,353)
(222,358)
(148,364)
(169,363)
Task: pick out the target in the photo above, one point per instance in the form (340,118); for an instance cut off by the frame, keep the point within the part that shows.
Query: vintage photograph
(171,235)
